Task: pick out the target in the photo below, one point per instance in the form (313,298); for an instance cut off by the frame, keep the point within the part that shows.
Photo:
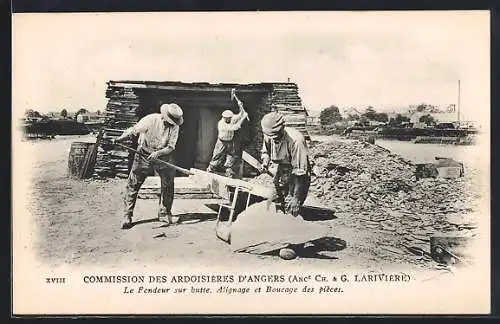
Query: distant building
(313,121)
(52,115)
(439,117)
(394,114)
(444,118)
(375,123)
(351,123)
(90,117)
(32,119)
(312,118)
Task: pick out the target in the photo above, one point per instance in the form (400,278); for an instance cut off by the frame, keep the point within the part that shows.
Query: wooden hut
(202,104)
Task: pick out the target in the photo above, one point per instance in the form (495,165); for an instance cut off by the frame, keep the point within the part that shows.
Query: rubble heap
(374,181)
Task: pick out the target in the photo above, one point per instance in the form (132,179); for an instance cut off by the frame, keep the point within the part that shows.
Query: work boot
(169,219)
(127,222)
(165,216)
(175,219)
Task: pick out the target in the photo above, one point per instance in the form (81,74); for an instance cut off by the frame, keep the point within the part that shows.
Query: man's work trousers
(141,169)
(284,184)
(224,154)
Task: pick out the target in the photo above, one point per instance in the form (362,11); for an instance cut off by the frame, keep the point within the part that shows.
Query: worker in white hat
(158,133)
(286,149)
(225,149)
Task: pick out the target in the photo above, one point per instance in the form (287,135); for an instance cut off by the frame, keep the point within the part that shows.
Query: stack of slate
(285,99)
(285,96)
(112,160)
(121,113)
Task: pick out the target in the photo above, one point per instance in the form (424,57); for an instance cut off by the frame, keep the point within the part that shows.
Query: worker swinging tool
(226,150)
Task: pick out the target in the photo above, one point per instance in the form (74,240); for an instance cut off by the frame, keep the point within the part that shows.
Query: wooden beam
(208,88)
(222,186)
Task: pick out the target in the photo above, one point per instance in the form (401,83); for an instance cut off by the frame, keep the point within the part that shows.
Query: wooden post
(458,104)
(240,171)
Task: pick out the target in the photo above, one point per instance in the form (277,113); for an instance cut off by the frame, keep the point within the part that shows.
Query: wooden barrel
(77,158)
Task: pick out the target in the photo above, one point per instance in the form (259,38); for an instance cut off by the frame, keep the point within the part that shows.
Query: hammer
(233,96)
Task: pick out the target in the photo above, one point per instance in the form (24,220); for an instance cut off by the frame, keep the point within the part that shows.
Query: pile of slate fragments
(367,186)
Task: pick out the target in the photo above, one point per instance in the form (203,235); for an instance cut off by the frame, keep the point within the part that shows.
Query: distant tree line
(398,120)
(32,113)
(331,115)
(427,119)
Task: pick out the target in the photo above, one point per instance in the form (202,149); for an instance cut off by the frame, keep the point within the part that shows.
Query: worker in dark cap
(285,152)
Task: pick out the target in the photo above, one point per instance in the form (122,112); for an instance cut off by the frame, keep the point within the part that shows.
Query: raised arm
(265,154)
(231,126)
(240,104)
(241,112)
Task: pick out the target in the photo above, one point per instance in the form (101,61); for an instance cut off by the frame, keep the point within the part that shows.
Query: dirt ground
(78,223)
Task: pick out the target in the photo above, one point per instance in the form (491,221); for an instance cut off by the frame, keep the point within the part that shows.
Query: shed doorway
(202,111)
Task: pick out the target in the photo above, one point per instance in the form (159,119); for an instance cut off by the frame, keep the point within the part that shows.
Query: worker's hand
(154,155)
(265,164)
(265,161)
(117,140)
(233,93)
(273,168)
(292,205)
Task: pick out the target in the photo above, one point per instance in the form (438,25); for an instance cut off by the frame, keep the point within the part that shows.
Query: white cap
(227,114)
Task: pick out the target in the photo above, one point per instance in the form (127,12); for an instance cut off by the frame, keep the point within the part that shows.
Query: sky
(383,59)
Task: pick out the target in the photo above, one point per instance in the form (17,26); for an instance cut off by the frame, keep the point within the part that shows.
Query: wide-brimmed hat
(172,113)
(272,124)
(227,114)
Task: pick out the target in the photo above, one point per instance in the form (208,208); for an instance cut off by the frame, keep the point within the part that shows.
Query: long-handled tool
(233,96)
(185,171)
(255,163)
(220,185)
